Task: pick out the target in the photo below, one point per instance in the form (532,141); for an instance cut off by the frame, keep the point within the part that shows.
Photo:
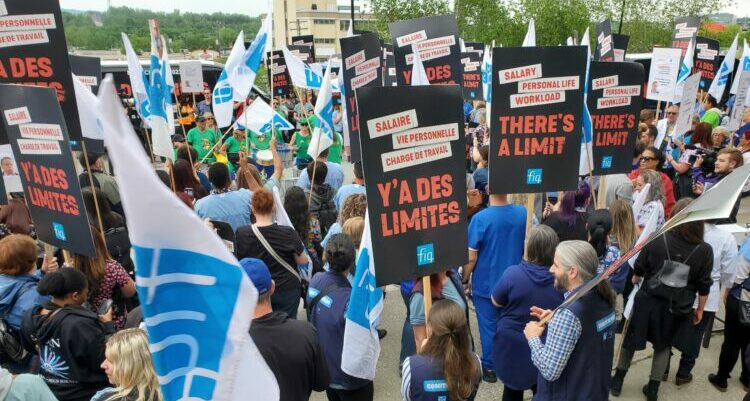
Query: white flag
(722,76)
(223,93)
(686,69)
(303,75)
(322,135)
(197,302)
(418,74)
(88,111)
(138,80)
(242,77)
(530,39)
(743,68)
(259,116)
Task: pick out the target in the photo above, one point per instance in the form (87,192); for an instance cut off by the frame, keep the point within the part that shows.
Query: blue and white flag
(487,81)
(418,74)
(530,39)
(719,84)
(223,93)
(160,96)
(322,135)
(361,344)
(685,69)
(259,115)
(282,219)
(242,77)
(197,302)
(743,68)
(302,74)
(585,165)
(88,111)
(138,81)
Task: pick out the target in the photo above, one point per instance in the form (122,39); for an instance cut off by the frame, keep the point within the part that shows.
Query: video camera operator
(723,162)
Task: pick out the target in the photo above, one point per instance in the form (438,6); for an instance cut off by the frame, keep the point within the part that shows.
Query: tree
(227,36)
(485,21)
(396,10)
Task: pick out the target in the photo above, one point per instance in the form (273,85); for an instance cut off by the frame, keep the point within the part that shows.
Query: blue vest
(329,318)
(587,375)
(427,379)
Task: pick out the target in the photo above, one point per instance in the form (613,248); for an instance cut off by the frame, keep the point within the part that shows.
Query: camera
(708,155)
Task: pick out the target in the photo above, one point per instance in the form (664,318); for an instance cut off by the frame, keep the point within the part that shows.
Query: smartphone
(552,197)
(189,192)
(104,307)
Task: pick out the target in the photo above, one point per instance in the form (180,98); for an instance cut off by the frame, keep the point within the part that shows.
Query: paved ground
(387,382)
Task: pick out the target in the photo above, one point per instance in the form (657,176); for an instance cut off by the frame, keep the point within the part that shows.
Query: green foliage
(726,37)
(395,10)
(185,30)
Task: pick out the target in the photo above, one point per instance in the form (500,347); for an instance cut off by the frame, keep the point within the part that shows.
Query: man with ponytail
(445,367)
(575,359)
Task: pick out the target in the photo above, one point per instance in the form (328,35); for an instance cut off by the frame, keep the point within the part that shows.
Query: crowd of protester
(72,327)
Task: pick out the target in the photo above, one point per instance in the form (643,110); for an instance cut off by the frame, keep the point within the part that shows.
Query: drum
(264,157)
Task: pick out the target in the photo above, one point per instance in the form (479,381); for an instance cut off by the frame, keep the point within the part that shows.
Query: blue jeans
(487,317)
(408,346)
(287,301)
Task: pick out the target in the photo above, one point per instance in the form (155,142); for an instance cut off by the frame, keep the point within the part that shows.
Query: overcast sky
(249,7)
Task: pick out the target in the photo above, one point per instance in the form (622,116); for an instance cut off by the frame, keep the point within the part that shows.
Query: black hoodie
(71,349)
(322,206)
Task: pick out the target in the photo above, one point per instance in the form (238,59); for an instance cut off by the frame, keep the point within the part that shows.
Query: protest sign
(472,87)
(33,51)
(191,76)
(476,47)
(685,29)
(389,66)
(278,75)
(11,177)
(362,67)
(89,72)
(39,138)
(303,52)
(307,41)
(605,50)
(614,101)
(536,127)
(706,60)
(620,46)
(436,40)
(687,105)
(662,77)
(735,116)
(415,174)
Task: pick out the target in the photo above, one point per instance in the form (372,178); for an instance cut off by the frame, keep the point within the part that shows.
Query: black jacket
(70,342)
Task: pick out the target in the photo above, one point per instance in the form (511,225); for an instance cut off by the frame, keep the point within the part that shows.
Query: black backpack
(671,281)
(11,348)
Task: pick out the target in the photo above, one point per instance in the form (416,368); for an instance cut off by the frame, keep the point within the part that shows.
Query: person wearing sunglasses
(665,126)
(652,159)
(203,138)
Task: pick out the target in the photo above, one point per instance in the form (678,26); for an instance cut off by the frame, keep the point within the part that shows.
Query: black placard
(303,52)
(706,60)
(537,102)
(472,71)
(417,208)
(389,66)
(278,74)
(436,38)
(620,44)
(34,52)
(89,71)
(307,41)
(477,47)
(614,101)
(49,178)
(362,66)
(605,50)
(685,29)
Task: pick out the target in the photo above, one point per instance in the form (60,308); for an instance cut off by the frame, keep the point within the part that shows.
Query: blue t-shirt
(345,191)
(497,234)
(231,207)
(334,178)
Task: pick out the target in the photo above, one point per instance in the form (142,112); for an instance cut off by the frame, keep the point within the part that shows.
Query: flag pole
(427,292)
(148,144)
(600,199)
(93,190)
(317,146)
(184,135)
(217,142)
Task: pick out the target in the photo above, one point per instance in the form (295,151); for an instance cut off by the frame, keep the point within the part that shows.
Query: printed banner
(307,41)
(436,40)
(536,128)
(620,43)
(685,29)
(706,60)
(662,77)
(614,101)
(11,178)
(191,76)
(687,106)
(89,72)
(33,52)
(389,66)
(472,70)
(39,138)
(415,174)
(605,50)
(278,75)
(362,67)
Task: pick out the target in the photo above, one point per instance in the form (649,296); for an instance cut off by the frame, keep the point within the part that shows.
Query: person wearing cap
(178,141)
(290,347)
(103,182)
(23,387)
(327,302)
(203,138)
(300,142)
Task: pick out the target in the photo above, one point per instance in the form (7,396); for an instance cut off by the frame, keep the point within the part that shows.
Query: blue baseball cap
(258,273)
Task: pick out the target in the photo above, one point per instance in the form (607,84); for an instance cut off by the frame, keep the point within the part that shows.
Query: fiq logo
(606,162)
(534,176)
(59,231)
(425,254)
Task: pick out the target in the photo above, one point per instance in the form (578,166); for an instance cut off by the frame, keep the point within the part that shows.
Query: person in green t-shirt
(712,114)
(202,138)
(259,140)
(235,143)
(300,142)
(334,152)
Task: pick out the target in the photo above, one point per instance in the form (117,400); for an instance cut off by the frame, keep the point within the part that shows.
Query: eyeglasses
(671,113)
(647,159)
(303,124)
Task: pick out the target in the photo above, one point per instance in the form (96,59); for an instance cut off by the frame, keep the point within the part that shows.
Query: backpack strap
(273,253)
(15,299)
(329,289)
(666,248)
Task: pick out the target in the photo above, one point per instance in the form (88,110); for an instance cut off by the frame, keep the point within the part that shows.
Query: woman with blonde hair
(354,228)
(354,206)
(129,368)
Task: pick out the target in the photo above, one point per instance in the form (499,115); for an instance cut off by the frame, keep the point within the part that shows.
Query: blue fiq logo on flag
(607,162)
(534,176)
(425,254)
